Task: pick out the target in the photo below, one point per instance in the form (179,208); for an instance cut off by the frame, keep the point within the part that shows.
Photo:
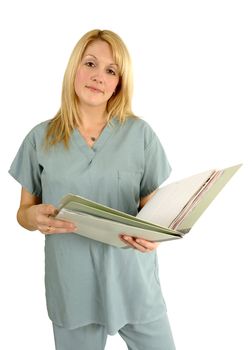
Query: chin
(96,103)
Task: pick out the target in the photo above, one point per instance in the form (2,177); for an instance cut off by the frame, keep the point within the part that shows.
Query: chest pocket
(128,191)
(117,189)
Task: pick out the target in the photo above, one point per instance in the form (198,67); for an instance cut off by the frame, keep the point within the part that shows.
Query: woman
(95,147)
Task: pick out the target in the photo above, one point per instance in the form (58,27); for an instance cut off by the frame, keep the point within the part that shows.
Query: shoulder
(143,129)
(137,122)
(37,134)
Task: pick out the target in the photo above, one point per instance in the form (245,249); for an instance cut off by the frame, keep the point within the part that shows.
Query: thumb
(50,210)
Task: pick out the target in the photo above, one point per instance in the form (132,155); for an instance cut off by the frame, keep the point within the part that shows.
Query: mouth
(94,89)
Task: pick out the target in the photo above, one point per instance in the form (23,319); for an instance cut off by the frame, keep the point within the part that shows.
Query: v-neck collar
(90,152)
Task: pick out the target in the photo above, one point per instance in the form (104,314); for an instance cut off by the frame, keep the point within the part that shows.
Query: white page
(169,200)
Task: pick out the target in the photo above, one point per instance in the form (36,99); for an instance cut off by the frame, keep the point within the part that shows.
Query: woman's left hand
(139,243)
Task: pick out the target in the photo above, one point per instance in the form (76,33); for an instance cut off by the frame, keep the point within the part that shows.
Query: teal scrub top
(88,281)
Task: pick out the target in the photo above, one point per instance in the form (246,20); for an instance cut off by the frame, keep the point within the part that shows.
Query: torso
(88,281)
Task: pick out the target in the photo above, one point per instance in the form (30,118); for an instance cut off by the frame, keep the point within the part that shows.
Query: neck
(91,117)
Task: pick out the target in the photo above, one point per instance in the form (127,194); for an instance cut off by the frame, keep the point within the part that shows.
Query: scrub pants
(145,336)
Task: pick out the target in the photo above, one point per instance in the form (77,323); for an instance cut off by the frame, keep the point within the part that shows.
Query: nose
(97,80)
(98,77)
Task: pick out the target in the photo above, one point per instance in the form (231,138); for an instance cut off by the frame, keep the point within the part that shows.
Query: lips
(94,89)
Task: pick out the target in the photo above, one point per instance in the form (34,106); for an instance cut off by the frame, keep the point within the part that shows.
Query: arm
(139,243)
(33,215)
(144,200)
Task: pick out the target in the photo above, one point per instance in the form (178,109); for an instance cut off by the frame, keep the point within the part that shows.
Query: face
(97,75)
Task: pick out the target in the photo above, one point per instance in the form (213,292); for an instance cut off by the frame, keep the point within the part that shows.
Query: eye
(111,71)
(89,64)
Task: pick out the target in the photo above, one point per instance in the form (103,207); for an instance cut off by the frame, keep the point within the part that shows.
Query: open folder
(168,215)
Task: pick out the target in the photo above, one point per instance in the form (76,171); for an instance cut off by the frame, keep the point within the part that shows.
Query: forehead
(101,50)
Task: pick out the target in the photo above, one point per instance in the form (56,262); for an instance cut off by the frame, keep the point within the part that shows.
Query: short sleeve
(156,167)
(26,169)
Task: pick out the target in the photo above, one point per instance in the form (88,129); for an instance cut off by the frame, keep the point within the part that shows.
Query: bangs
(119,51)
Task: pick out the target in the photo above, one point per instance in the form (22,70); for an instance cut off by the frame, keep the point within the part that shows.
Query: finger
(60,224)
(134,244)
(53,230)
(142,248)
(126,241)
(147,244)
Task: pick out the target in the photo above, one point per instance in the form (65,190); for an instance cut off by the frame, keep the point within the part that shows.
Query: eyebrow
(89,54)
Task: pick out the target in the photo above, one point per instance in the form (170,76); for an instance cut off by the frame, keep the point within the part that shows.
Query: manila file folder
(168,215)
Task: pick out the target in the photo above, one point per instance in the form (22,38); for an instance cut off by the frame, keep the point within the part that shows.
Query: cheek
(81,76)
(112,85)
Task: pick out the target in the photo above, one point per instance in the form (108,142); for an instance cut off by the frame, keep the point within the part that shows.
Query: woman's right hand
(42,217)
(33,215)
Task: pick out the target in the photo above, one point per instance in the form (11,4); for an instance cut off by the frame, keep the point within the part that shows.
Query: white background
(193,84)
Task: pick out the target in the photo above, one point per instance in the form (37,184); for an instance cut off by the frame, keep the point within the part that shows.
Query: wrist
(25,216)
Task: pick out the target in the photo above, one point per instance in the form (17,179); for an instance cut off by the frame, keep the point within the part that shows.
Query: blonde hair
(119,105)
